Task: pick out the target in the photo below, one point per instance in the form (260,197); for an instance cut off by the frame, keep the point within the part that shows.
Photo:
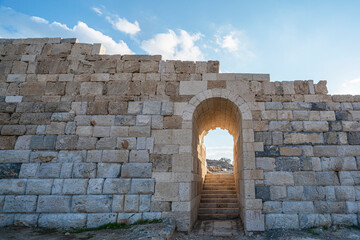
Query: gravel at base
(309,234)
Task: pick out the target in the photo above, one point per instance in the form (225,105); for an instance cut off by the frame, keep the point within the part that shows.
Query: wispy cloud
(123,25)
(174,46)
(349,87)
(233,41)
(39,20)
(219,152)
(21,27)
(97,11)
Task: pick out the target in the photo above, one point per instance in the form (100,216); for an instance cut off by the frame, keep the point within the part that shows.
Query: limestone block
(314,220)
(19,203)
(91,203)
(345,193)
(108,170)
(86,143)
(346,178)
(49,170)
(298,207)
(139,131)
(327,178)
(91,88)
(142,186)
(23,142)
(136,170)
(29,170)
(279,178)
(284,221)
(302,138)
(14,156)
(278,192)
(350,126)
(56,128)
(106,143)
(135,107)
(101,131)
(327,116)
(344,219)
(272,207)
(254,220)
(84,131)
(75,186)
(16,78)
(115,156)
(64,221)
(116,186)
(192,87)
(144,205)
(143,120)
(118,203)
(131,203)
(84,170)
(100,77)
(166,191)
(152,107)
(131,66)
(139,156)
(290,151)
(129,218)
(66,142)
(28,220)
(126,143)
(269,115)
(53,203)
(95,186)
(119,88)
(39,186)
(325,151)
(99,219)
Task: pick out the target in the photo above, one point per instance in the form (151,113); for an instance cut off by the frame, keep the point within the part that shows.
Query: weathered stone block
(14,156)
(39,186)
(64,221)
(116,186)
(10,170)
(84,170)
(108,170)
(52,203)
(279,178)
(142,186)
(99,219)
(298,207)
(49,170)
(314,220)
(139,156)
(136,170)
(95,186)
(91,203)
(131,203)
(115,156)
(285,221)
(20,204)
(75,186)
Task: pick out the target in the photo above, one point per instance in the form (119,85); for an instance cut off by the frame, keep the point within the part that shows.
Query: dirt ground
(153,231)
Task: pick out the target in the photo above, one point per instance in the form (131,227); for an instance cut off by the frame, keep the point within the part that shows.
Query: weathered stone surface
(285,221)
(50,204)
(116,186)
(64,221)
(262,192)
(137,170)
(10,170)
(20,203)
(91,203)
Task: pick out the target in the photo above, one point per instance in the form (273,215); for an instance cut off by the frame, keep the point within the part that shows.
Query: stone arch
(240,126)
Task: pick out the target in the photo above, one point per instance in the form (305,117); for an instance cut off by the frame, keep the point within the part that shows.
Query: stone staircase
(218,198)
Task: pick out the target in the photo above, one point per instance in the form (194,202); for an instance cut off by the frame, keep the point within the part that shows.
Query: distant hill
(219,166)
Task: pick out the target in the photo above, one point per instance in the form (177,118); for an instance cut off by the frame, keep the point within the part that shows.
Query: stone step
(218,205)
(218,192)
(219,182)
(218,196)
(218,188)
(219,178)
(218,200)
(219,210)
(218,216)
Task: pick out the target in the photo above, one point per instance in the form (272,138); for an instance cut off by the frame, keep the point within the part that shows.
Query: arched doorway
(211,109)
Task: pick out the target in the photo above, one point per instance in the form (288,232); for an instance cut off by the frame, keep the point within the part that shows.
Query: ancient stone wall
(88,138)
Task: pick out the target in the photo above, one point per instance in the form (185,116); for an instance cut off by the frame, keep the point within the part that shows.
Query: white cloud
(123,25)
(229,42)
(174,46)
(19,26)
(97,11)
(219,152)
(349,87)
(234,42)
(39,20)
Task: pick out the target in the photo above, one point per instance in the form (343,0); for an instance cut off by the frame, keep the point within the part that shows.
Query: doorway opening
(219,145)
(211,114)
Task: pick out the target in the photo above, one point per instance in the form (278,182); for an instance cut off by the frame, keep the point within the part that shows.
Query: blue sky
(291,40)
